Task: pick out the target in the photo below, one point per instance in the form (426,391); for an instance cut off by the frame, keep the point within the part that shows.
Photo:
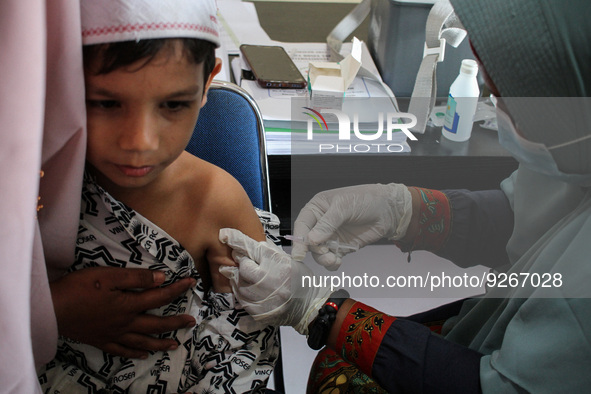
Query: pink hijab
(42,127)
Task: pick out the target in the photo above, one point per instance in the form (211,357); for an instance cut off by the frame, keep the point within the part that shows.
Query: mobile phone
(272,67)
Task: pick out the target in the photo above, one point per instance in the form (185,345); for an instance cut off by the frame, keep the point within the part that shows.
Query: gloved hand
(267,282)
(356,216)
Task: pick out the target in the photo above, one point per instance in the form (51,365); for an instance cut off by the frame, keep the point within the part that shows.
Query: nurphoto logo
(370,139)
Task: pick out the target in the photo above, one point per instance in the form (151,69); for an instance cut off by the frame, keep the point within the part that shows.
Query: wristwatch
(320,327)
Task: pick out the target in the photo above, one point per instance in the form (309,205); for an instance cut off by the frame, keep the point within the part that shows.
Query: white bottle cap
(469,67)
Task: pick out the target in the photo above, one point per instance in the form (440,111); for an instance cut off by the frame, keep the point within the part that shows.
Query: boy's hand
(96,306)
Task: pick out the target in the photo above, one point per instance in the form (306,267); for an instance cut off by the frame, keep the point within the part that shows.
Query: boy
(147,203)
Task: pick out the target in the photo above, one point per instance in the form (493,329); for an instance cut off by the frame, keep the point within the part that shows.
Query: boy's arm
(238,337)
(233,209)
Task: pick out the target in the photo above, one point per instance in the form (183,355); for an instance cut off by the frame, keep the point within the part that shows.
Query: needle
(336,245)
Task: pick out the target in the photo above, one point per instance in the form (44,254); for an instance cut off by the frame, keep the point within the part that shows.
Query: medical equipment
(333,245)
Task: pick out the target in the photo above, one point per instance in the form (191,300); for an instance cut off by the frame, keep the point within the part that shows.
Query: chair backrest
(230,134)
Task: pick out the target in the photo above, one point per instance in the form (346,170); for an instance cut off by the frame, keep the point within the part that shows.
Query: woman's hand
(105,307)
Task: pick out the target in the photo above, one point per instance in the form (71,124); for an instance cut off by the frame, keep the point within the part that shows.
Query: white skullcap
(105,21)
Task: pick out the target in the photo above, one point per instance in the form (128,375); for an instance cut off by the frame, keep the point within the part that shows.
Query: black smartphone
(272,67)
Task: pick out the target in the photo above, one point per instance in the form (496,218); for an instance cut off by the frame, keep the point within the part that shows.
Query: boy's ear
(216,69)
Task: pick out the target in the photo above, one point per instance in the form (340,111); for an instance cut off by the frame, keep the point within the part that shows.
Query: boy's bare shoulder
(212,199)
(213,188)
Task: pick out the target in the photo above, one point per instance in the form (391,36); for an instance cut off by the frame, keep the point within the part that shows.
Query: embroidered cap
(105,21)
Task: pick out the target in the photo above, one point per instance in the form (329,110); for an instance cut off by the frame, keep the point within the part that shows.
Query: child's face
(140,119)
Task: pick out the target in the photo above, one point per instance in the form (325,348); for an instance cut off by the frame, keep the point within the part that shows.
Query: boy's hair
(115,55)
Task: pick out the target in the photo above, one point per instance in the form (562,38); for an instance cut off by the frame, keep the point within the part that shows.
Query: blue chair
(229,133)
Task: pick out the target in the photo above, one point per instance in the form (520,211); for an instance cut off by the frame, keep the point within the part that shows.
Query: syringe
(332,244)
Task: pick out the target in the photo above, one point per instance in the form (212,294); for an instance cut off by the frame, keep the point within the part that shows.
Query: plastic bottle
(461,103)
